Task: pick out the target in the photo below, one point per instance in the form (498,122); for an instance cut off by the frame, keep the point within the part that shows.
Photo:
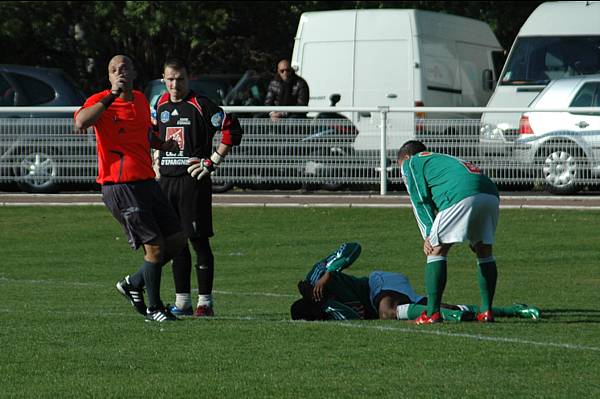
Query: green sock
(415,310)
(435,282)
(487,274)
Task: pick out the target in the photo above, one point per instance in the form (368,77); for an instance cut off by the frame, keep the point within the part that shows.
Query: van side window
(36,91)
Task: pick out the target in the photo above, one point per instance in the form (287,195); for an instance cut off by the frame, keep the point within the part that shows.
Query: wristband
(216,158)
(108,99)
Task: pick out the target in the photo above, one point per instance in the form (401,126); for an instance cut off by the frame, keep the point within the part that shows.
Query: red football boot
(204,311)
(486,317)
(434,318)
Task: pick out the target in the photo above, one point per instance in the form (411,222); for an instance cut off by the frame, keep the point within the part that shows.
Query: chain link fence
(39,154)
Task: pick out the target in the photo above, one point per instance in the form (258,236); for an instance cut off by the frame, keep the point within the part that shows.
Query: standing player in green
(453,202)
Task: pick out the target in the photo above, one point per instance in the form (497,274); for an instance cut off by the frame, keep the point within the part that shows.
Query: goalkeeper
(329,294)
(192,120)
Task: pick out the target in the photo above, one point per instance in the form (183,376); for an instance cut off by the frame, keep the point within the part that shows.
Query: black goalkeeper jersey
(193,123)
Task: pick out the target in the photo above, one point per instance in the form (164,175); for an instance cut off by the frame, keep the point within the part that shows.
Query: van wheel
(36,172)
(563,167)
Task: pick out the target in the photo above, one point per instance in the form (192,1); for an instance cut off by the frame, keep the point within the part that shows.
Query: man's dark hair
(305,310)
(411,148)
(175,63)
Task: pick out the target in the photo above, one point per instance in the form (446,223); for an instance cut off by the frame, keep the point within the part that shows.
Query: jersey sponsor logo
(165,116)
(174,162)
(184,121)
(176,133)
(217,119)
(425,154)
(471,168)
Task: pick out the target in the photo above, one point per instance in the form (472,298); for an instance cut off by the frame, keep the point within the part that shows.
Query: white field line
(421,330)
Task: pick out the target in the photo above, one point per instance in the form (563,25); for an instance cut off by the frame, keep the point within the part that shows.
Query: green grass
(65,332)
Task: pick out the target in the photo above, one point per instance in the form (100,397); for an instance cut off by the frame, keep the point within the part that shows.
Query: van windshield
(537,60)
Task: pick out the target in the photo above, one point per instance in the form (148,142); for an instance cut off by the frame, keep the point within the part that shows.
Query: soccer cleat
(434,318)
(135,296)
(485,317)
(527,312)
(181,312)
(204,311)
(160,315)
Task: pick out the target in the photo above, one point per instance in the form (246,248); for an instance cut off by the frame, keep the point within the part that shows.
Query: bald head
(121,73)
(284,69)
(120,59)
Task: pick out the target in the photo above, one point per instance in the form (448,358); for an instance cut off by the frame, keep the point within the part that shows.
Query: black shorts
(143,211)
(192,201)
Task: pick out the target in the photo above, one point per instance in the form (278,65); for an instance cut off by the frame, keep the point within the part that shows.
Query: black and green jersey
(350,299)
(349,296)
(437,181)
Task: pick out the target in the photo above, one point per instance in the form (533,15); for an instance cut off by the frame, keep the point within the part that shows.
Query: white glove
(202,167)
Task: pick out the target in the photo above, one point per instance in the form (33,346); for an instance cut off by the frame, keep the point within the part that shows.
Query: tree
(213,37)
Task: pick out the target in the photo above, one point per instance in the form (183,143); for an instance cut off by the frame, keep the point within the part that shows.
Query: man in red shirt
(121,120)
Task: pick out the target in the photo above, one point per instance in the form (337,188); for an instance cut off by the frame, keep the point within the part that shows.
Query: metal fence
(40,153)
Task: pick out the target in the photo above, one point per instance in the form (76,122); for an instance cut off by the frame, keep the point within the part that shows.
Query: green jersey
(436,182)
(351,299)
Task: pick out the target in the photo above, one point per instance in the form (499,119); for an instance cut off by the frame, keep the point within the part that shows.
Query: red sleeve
(93,99)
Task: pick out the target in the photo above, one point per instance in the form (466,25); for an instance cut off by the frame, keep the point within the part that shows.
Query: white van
(558,39)
(396,58)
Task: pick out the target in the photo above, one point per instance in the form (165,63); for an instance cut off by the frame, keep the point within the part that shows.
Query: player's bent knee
(482,250)
(153,252)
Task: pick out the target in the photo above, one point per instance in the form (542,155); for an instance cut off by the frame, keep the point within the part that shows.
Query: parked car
(26,86)
(30,152)
(250,90)
(563,147)
(215,87)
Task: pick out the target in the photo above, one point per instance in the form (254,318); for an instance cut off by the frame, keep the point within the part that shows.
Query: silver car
(563,148)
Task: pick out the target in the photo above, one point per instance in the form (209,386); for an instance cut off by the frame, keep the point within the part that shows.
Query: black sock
(182,271)
(137,279)
(152,274)
(205,266)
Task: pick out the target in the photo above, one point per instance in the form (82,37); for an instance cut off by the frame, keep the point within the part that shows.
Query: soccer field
(66,332)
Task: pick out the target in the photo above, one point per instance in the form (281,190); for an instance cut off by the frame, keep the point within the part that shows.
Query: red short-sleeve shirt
(122,139)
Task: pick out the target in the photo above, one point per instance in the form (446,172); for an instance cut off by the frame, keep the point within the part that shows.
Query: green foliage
(215,37)
(67,333)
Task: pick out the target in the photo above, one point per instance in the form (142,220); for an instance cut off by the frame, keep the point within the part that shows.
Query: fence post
(383,111)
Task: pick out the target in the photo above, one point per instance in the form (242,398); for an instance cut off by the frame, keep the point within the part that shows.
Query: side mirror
(334,99)
(487,80)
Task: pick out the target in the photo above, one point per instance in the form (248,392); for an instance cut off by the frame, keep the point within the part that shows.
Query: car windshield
(537,60)
(250,90)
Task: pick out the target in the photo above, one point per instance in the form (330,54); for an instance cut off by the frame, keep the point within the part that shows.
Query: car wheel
(221,187)
(36,172)
(563,169)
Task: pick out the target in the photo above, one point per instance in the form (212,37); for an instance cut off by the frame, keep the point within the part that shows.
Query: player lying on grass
(329,294)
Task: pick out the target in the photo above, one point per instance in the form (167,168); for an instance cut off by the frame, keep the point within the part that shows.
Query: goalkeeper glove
(202,167)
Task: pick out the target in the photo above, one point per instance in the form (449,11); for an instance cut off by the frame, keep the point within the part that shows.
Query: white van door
(383,77)
(329,71)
